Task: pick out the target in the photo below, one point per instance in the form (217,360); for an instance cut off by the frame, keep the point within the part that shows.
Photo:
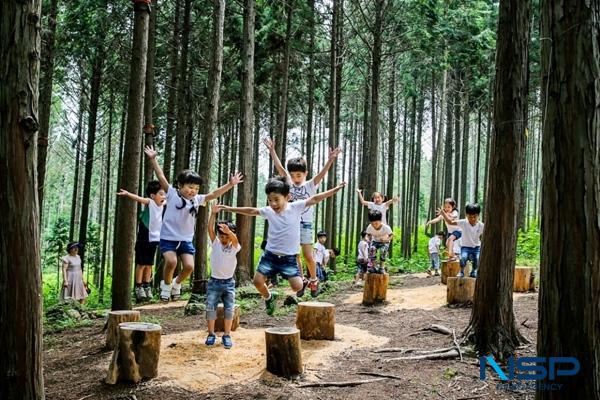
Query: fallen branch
(439,329)
(381,375)
(429,356)
(394,350)
(340,384)
(470,397)
(456,344)
(443,350)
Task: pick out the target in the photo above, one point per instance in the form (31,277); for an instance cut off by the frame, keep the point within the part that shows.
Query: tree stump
(449,268)
(283,351)
(460,290)
(523,279)
(114,319)
(136,354)
(316,320)
(375,289)
(220,321)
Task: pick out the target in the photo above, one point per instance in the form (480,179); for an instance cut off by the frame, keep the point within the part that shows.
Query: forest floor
(75,362)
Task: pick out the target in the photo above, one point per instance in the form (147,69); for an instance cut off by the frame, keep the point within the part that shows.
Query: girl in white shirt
(377,203)
(454,231)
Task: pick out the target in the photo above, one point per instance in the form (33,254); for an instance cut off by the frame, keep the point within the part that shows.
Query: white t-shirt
(453,216)
(434,244)
(320,253)
(456,246)
(223,260)
(178,224)
(155,222)
(284,233)
(471,234)
(303,192)
(381,234)
(382,208)
(363,250)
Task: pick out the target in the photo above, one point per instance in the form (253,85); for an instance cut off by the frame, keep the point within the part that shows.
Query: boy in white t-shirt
(472,229)
(148,236)
(434,253)
(362,261)
(221,286)
(381,236)
(377,203)
(284,236)
(301,189)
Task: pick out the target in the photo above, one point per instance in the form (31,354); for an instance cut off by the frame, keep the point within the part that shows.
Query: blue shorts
(285,265)
(469,254)
(457,235)
(220,290)
(180,248)
(306,233)
(435,260)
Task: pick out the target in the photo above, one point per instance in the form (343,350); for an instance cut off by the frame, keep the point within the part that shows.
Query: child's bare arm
(225,229)
(435,220)
(446,217)
(332,157)
(391,201)
(250,211)
(234,180)
(276,161)
(361,198)
(317,198)
(134,197)
(162,179)
(211,222)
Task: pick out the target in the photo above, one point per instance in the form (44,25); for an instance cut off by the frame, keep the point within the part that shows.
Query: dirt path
(75,363)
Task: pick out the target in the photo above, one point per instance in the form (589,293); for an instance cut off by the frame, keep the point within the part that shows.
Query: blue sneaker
(461,274)
(210,339)
(227,342)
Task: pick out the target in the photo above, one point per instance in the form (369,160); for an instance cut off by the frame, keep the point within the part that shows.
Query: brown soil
(76,363)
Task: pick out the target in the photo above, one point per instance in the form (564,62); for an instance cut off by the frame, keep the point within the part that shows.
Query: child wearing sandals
(179,221)
(454,231)
(221,286)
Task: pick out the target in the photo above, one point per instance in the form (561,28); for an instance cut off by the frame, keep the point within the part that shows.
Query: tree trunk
(246,192)
(391,146)
(210,121)
(126,215)
(448,144)
(106,199)
(311,88)
(457,151)
(172,92)
(45,101)
(570,274)
(284,66)
(477,158)
(20,264)
(97,65)
(183,107)
(149,93)
(434,151)
(492,328)
(464,168)
(362,215)
(74,197)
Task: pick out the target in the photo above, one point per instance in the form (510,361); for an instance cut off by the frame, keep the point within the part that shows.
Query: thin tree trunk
(21,344)
(106,200)
(311,88)
(280,141)
(126,216)
(172,92)
(492,328)
(447,192)
(457,150)
(464,168)
(74,198)
(391,146)
(149,95)
(477,157)
(183,107)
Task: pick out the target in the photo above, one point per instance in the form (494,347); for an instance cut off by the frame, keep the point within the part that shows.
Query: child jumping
(381,236)
(434,253)
(362,261)
(377,203)
(472,229)
(301,189)
(284,236)
(148,236)
(454,232)
(179,221)
(221,286)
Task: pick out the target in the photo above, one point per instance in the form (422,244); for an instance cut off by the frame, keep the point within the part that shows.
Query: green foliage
(528,246)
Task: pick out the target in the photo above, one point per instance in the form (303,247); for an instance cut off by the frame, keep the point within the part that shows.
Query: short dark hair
(230,224)
(152,187)
(297,164)
(473,209)
(336,251)
(375,215)
(321,234)
(441,233)
(451,201)
(363,234)
(188,176)
(279,185)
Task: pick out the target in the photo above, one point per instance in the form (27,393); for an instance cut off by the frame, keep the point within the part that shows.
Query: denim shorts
(285,265)
(306,233)
(469,254)
(220,291)
(435,260)
(180,248)
(361,266)
(457,234)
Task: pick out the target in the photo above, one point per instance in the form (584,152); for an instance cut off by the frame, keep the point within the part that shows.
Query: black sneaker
(300,292)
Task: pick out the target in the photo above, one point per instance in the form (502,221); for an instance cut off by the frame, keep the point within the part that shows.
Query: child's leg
(212,301)
(464,256)
(139,273)
(229,307)
(188,267)
(170,265)
(147,274)
(383,251)
(311,266)
(295,283)
(450,246)
(259,281)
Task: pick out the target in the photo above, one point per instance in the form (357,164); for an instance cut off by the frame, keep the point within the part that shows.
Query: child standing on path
(362,261)
(221,286)
(283,233)
(321,254)
(301,189)
(434,253)
(377,203)
(454,232)
(148,236)
(381,236)
(179,221)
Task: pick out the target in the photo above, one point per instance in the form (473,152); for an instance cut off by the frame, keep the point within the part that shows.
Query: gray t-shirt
(179,222)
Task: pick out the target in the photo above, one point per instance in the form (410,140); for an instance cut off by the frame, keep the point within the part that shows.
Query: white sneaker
(176,289)
(148,291)
(140,294)
(165,291)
